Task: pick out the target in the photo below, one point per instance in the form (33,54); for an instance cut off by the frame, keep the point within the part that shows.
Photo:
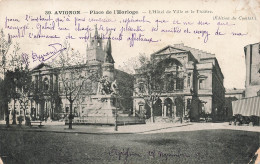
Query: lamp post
(116,127)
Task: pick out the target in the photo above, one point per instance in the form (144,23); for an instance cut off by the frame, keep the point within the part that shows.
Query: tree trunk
(152,117)
(70,115)
(24,116)
(14,115)
(7,114)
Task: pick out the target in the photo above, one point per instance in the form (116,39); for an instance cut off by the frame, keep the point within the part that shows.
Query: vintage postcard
(119,81)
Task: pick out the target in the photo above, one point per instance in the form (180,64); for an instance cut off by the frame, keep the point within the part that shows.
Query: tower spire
(109,57)
(96,31)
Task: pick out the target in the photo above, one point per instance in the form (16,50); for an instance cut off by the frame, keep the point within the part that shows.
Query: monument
(106,99)
(106,106)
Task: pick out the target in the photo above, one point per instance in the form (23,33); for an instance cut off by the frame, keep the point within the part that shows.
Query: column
(165,110)
(50,110)
(30,107)
(37,110)
(165,83)
(40,82)
(174,109)
(51,83)
(191,81)
(185,106)
(175,81)
(80,109)
(185,84)
(162,109)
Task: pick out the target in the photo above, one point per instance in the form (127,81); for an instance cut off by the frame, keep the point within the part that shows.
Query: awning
(247,106)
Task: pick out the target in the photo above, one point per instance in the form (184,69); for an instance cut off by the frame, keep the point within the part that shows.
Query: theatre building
(188,83)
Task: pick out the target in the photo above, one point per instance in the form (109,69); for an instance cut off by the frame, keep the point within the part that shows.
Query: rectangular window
(179,84)
(60,87)
(189,82)
(141,108)
(202,84)
(67,109)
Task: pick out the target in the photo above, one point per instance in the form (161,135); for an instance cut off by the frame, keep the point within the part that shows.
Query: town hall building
(48,97)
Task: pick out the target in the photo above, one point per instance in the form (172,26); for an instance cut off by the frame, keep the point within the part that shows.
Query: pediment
(169,50)
(42,66)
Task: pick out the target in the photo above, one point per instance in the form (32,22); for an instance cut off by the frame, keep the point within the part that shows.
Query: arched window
(141,87)
(169,74)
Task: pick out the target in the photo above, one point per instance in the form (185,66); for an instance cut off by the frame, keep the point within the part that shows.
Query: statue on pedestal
(114,87)
(105,87)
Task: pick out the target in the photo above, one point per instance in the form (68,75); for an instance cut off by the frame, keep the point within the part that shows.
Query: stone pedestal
(103,105)
(102,111)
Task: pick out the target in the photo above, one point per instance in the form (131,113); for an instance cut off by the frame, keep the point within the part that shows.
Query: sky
(219,27)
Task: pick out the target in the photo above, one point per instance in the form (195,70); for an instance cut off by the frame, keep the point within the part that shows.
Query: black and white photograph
(130,82)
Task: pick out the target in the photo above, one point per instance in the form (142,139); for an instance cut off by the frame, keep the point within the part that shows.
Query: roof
(198,54)
(171,49)
(251,44)
(247,106)
(41,66)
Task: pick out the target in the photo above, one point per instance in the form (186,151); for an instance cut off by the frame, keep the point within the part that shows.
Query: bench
(39,123)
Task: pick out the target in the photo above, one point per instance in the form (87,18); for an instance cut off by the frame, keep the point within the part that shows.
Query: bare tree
(132,63)
(12,63)
(73,74)
(146,88)
(24,88)
(15,65)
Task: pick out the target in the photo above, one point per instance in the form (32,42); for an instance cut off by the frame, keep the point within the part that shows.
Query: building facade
(48,96)
(188,81)
(252,59)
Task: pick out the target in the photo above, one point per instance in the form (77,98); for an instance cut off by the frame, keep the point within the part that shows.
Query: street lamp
(116,127)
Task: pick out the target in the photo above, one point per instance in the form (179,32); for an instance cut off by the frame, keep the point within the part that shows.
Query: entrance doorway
(157,108)
(179,107)
(168,107)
